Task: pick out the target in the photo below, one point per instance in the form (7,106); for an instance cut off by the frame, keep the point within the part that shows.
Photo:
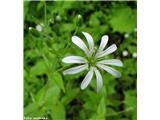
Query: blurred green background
(48,28)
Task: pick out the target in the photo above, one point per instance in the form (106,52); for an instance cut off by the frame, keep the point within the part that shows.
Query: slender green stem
(124,111)
(32,97)
(61,69)
(76,30)
(45,14)
(76,27)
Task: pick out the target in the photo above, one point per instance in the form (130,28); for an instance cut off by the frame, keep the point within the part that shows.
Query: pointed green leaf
(58,80)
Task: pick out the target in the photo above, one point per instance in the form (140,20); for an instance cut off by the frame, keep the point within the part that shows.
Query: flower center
(91,61)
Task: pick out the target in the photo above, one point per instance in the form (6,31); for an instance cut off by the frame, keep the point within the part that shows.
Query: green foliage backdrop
(48,28)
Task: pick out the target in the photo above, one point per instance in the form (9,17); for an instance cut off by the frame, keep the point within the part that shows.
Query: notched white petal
(75,70)
(99,79)
(74,59)
(77,41)
(114,62)
(109,50)
(87,79)
(103,43)
(89,40)
(109,70)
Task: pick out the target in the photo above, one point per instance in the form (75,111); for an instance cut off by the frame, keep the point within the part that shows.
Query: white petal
(76,40)
(103,43)
(115,62)
(109,70)
(89,40)
(75,70)
(99,79)
(109,50)
(74,59)
(87,79)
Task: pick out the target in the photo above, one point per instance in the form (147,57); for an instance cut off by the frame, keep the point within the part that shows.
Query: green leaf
(132,49)
(70,95)
(123,19)
(31,107)
(131,102)
(52,95)
(38,69)
(101,111)
(58,112)
(130,98)
(94,21)
(58,80)
(41,95)
(48,95)
(131,66)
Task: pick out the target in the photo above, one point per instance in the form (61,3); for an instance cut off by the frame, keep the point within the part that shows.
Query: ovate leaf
(39,68)
(58,80)
(101,111)
(58,112)
(123,19)
(52,95)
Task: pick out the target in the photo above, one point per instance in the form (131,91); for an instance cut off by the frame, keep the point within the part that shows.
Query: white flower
(125,53)
(39,27)
(126,35)
(30,28)
(79,16)
(94,60)
(58,18)
(134,55)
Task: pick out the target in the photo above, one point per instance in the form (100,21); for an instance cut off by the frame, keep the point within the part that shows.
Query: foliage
(47,93)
